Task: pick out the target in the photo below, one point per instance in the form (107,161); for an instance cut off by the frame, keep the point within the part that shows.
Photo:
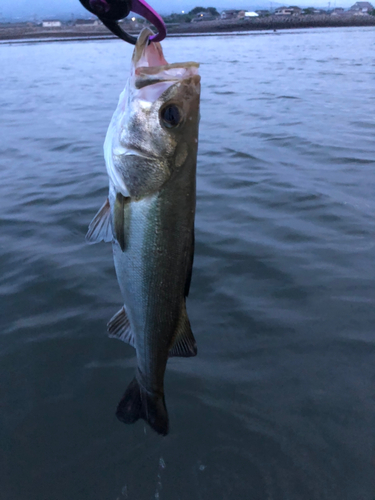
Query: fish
(150,152)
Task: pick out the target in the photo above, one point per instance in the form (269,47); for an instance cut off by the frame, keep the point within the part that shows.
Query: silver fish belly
(150,152)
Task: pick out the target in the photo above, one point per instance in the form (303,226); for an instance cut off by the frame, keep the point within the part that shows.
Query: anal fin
(100,228)
(119,327)
(184,345)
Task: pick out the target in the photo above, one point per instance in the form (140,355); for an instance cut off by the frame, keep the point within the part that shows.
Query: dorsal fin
(184,344)
(119,327)
(100,228)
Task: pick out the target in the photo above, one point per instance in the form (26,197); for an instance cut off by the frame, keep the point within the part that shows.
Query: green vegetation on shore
(182,17)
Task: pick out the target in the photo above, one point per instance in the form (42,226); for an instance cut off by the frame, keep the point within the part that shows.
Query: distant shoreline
(9,33)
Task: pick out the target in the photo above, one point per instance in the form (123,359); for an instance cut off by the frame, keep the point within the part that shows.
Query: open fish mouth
(130,150)
(150,66)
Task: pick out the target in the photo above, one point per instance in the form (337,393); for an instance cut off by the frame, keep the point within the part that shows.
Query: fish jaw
(141,153)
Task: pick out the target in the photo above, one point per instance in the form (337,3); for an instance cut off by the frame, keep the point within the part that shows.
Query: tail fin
(138,403)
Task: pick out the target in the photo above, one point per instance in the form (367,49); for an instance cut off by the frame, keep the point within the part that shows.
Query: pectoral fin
(121,220)
(119,327)
(190,266)
(184,344)
(100,228)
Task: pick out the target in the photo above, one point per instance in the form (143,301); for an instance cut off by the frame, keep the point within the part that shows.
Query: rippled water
(279,403)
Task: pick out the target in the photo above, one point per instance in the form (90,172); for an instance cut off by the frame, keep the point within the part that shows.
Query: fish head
(155,127)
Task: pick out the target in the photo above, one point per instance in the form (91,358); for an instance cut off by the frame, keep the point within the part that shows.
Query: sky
(29,9)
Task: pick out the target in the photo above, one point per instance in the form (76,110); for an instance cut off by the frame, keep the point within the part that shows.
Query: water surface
(279,403)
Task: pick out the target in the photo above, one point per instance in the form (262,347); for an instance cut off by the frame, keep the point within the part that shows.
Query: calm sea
(279,404)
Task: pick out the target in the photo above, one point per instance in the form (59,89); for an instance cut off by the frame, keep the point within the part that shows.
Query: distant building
(203,16)
(51,24)
(87,22)
(263,13)
(282,11)
(361,8)
(229,14)
(288,11)
(246,14)
(339,11)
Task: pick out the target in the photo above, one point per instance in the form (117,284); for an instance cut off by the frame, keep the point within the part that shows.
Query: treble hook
(111,11)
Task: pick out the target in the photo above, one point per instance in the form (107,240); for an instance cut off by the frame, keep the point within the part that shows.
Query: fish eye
(171,116)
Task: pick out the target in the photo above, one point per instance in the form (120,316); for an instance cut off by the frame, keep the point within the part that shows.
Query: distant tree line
(198,10)
(188,16)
